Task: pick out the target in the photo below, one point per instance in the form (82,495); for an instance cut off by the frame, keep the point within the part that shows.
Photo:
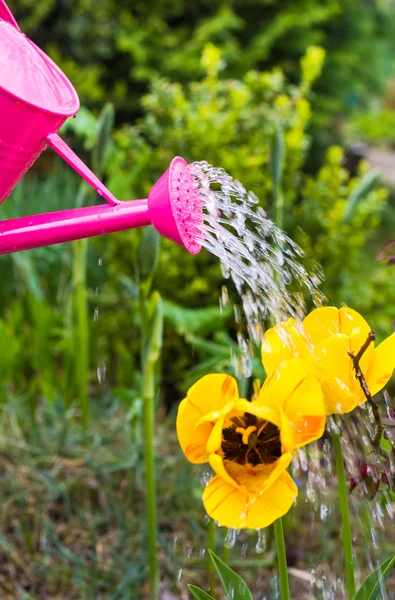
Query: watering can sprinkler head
(175,206)
(36,98)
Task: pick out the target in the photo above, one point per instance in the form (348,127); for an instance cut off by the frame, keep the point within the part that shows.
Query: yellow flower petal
(309,429)
(215,440)
(382,365)
(258,479)
(274,503)
(225,503)
(282,383)
(338,382)
(262,411)
(210,393)
(305,408)
(321,323)
(282,342)
(192,440)
(251,480)
(217,464)
(354,325)
(324,322)
(232,507)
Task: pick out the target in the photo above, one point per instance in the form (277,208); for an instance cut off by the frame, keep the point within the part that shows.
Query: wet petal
(282,383)
(305,408)
(225,503)
(217,464)
(215,440)
(382,365)
(264,475)
(260,410)
(321,323)
(232,507)
(309,429)
(251,480)
(274,503)
(354,325)
(211,393)
(329,320)
(336,375)
(192,439)
(281,343)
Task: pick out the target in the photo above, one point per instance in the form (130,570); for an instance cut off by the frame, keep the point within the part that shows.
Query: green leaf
(234,586)
(148,252)
(156,328)
(103,138)
(198,593)
(363,188)
(27,269)
(195,320)
(371,589)
(385,444)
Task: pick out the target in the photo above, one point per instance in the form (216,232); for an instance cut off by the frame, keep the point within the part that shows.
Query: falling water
(263,263)
(265,267)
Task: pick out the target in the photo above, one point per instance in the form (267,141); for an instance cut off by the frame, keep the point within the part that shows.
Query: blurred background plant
(228,82)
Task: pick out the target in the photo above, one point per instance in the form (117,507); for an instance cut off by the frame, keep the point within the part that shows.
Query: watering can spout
(173,207)
(35,100)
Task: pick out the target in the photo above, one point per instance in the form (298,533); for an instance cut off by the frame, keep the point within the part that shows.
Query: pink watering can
(36,98)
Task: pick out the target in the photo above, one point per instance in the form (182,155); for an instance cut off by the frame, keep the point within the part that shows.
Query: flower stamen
(251,441)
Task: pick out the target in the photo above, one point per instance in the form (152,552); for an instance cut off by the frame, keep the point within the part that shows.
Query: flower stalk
(152,329)
(210,564)
(345,515)
(281,559)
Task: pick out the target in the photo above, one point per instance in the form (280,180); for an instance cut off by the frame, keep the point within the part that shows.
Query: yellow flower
(249,445)
(325,339)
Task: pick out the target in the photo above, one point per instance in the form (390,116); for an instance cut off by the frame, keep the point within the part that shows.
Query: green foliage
(374,127)
(198,593)
(260,130)
(104,47)
(341,245)
(233,585)
(372,587)
(226,122)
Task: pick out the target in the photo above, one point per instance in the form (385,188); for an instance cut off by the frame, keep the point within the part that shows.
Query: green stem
(281,559)
(81,331)
(150,479)
(210,565)
(345,516)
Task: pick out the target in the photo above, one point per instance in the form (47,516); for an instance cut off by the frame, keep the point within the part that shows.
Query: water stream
(265,267)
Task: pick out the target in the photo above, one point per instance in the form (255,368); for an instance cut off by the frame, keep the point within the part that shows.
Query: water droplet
(261,541)
(230,538)
(96,314)
(101,373)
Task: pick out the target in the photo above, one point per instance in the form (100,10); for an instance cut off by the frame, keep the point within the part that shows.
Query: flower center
(250,440)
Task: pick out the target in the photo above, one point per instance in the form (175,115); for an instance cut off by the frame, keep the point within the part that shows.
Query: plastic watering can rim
(49,74)
(6,15)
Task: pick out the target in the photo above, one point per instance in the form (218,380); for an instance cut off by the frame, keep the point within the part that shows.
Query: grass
(72,513)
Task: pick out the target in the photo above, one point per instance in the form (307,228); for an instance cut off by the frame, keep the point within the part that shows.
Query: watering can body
(23,132)
(35,100)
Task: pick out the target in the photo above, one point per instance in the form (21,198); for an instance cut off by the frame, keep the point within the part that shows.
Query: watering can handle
(7,15)
(61,148)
